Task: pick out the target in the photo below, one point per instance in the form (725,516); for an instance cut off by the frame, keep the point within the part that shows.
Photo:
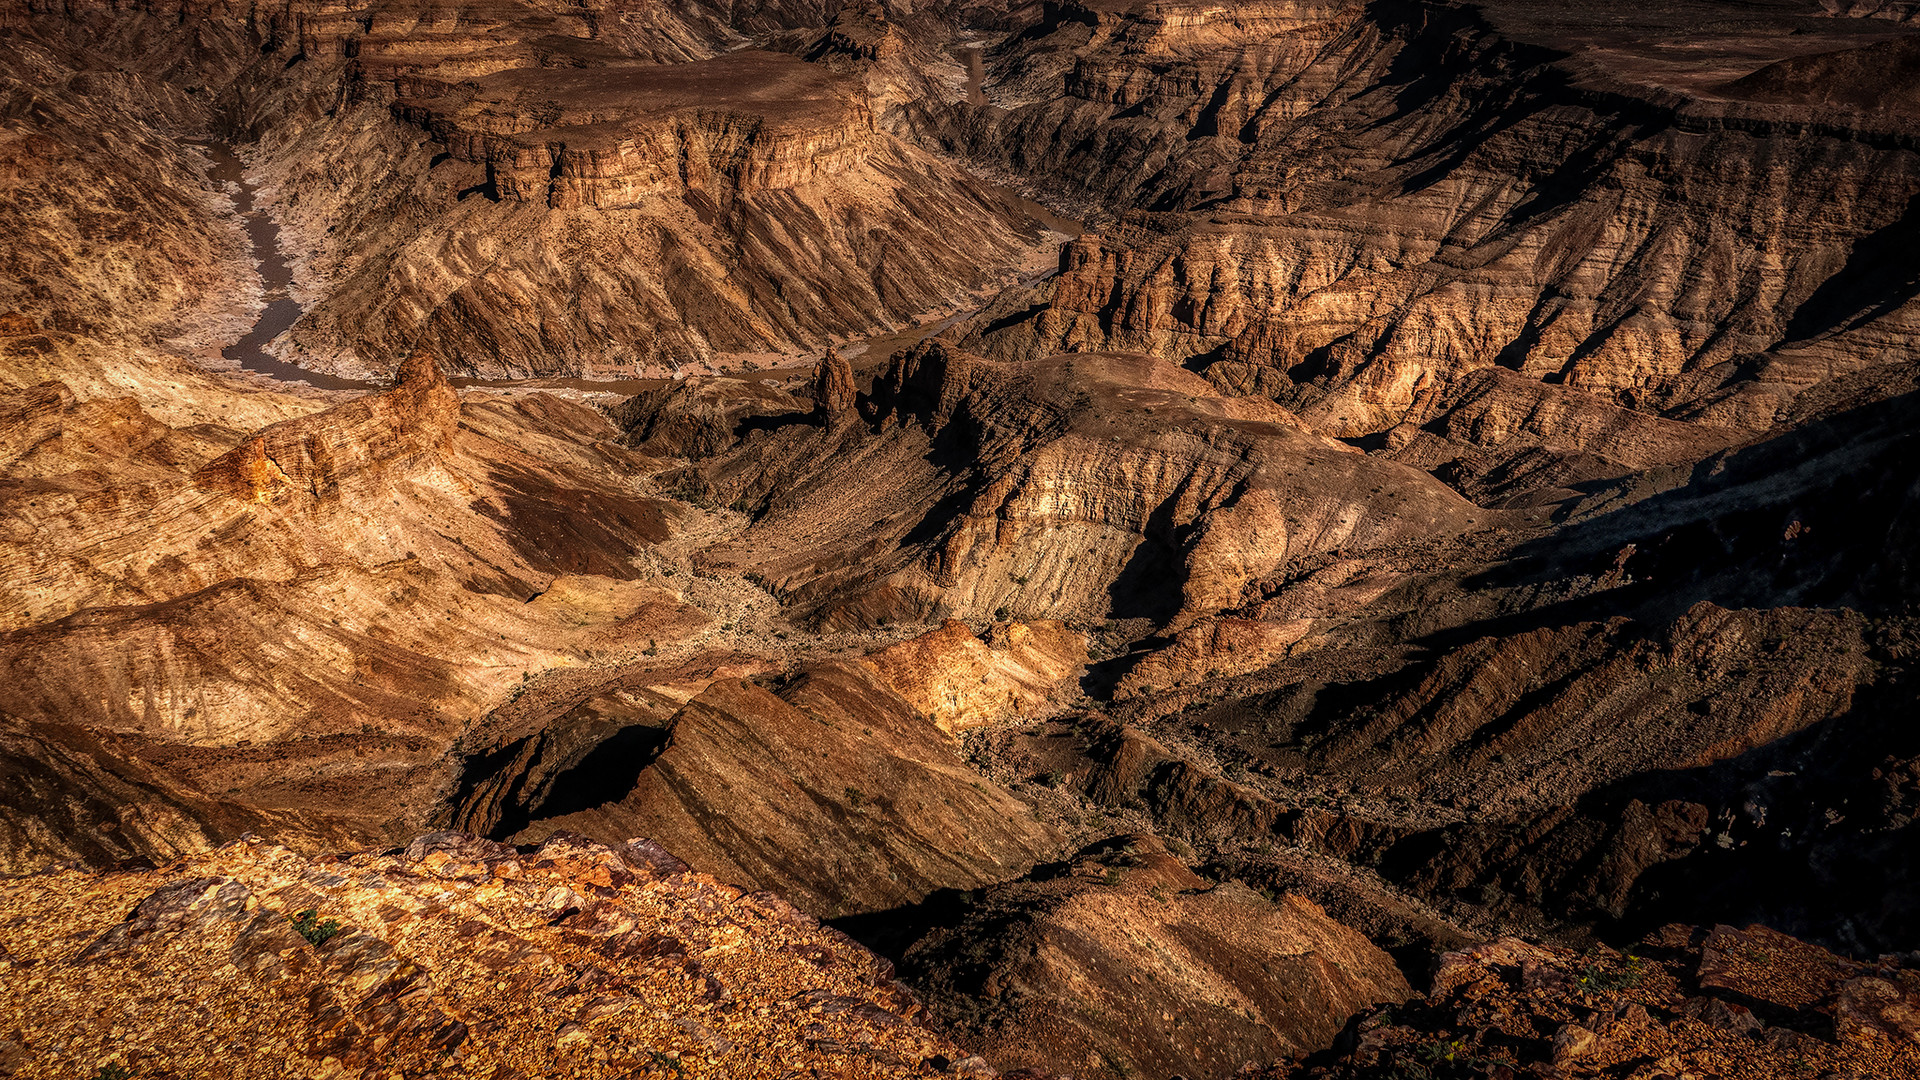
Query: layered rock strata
(830,788)
(1087,486)
(1123,960)
(240,623)
(1357,210)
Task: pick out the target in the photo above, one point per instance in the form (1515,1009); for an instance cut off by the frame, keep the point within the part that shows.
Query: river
(282,310)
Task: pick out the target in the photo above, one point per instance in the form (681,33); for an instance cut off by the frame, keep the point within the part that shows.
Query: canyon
(1079,538)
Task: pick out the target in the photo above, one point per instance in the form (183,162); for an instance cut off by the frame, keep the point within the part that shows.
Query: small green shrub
(1443,1059)
(1602,980)
(115,1071)
(310,926)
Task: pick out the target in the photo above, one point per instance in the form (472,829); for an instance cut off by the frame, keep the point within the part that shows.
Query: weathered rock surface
(959,681)
(1465,477)
(1083,486)
(457,957)
(289,625)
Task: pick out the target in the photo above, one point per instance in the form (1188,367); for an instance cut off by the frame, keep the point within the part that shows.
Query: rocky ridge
(1333,217)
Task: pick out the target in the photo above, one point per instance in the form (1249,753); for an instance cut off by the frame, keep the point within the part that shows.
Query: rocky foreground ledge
(456,957)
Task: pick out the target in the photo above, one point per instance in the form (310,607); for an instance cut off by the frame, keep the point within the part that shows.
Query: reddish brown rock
(458,954)
(833,388)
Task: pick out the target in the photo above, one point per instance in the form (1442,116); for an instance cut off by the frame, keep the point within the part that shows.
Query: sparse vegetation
(313,928)
(1602,979)
(1443,1059)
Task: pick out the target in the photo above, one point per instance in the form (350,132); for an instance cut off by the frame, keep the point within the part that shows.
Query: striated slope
(1689,707)
(260,624)
(1123,961)
(112,230)
(1085,486)
(832,785)
(444,172)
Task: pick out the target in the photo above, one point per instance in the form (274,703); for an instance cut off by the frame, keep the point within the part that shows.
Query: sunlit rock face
(553,191)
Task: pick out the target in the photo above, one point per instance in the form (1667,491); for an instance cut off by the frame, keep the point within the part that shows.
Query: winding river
(282,310)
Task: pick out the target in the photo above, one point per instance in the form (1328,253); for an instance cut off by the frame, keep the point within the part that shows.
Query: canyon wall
(1355,214)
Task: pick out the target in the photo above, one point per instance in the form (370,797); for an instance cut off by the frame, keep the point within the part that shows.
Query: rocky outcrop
(217,629)
(834,392)
(959,681)
(350,452)
(747,122)
(454,954)
(1082,486)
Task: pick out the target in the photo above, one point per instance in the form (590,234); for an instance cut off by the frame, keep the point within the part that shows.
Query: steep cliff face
(550,191)
(743,205)
(1085,486)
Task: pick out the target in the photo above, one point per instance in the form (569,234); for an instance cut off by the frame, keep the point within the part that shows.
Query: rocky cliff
(1355,213)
